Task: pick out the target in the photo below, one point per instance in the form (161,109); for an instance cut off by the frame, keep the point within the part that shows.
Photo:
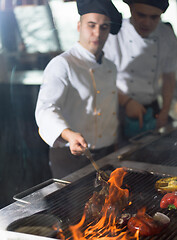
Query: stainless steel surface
(54,185)
(30,204)
(37,224)
(7,235)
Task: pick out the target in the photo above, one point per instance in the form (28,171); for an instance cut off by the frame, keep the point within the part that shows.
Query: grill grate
(67,204)
(162,151)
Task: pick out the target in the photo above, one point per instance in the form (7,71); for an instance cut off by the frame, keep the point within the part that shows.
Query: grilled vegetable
(167,184)
(145,224)
(169,200)
(148,225)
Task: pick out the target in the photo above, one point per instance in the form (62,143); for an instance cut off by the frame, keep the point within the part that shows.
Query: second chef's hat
(162,4)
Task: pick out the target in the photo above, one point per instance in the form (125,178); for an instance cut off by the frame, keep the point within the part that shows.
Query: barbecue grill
(67,204)
(65,201)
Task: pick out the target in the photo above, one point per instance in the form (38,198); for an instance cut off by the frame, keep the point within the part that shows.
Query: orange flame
(106,228)
(116,193)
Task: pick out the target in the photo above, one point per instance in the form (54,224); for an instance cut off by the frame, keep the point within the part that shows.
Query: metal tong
(103,175)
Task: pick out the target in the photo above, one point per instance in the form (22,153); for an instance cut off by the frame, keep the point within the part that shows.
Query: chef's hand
(162,118)
(76,141)
(133,109)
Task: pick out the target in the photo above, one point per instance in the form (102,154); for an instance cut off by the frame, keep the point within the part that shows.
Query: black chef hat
(162,4)
(105,7)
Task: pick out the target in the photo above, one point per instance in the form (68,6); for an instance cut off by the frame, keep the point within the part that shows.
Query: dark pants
(62,162)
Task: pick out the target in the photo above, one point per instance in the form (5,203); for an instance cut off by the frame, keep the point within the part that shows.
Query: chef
(144,50)
(77,101)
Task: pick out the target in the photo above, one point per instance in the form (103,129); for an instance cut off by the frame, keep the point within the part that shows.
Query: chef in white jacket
(78,99)
(144,50)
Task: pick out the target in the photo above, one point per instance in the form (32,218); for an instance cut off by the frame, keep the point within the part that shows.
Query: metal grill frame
(67,204)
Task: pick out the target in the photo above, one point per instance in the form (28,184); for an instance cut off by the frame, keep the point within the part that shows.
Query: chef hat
(105,7)
(162,4)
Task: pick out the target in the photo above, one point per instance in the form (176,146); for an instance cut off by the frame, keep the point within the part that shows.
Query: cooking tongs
(103,175)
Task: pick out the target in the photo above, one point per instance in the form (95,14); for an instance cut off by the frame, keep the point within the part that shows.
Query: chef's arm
(76,141)
(168,85)
(133,109)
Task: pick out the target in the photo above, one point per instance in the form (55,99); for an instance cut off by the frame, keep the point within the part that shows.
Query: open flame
(107,227)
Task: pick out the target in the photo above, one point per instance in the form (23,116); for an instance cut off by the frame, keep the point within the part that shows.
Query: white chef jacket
(141,61)
(69,99)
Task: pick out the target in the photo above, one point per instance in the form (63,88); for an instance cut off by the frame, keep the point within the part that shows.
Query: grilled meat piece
(94,205)
(99,200)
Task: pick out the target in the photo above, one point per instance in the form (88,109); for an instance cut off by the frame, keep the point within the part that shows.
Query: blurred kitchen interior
(31,33)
